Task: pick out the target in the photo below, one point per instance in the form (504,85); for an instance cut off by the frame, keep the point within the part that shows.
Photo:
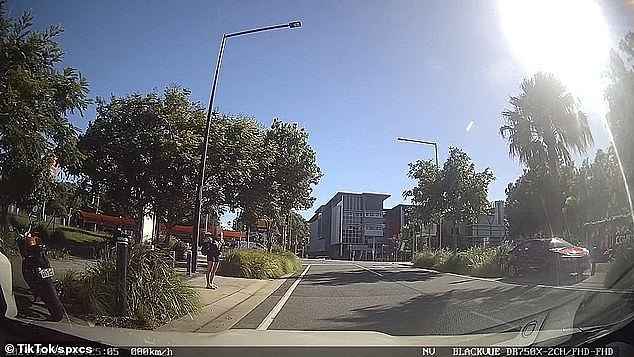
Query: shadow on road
(27,308)
(532,279)
(338,278)
(487,310)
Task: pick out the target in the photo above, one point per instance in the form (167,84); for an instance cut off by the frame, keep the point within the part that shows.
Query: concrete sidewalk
(222,308)
(596,281)
(225,306)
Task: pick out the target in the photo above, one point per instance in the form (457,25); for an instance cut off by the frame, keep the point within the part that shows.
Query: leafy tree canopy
(35,100)
(457,193)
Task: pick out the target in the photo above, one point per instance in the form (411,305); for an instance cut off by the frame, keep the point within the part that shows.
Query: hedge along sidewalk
(225,306)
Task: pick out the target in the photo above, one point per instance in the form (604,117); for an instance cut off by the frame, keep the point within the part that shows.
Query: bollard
(122,272)
(188,253)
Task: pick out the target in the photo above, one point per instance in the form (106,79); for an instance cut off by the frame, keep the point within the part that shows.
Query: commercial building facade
(356,226)
(349,226)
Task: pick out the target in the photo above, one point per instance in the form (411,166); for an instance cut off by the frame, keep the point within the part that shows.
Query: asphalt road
(402,300)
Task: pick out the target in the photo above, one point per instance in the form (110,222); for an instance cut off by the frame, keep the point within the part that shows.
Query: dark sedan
(553,256)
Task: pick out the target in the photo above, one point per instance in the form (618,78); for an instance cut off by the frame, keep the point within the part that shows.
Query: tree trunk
(550,227)
(4,212)
(139,223)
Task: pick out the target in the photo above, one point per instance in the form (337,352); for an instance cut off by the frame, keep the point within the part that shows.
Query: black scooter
(37,270)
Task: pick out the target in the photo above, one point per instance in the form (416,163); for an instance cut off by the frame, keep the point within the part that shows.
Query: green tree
(152,147)
(620,97)
(543,124)
(65,198)
(282,178)
(601,193)
(542,127)
(535,206)
(292,168)
(521,199)
(457,193)
(298,233)
(584,194)
(35,100)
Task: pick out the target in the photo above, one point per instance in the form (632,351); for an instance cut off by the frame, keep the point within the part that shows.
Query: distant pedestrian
(212,247)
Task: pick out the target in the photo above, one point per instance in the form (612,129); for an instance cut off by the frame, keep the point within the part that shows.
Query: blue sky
(357,75)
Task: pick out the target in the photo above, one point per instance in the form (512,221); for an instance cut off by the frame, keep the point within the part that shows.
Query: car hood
(122,337)
(571,251)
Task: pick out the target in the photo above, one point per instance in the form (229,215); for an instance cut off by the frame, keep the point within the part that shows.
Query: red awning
(233,234)
(89,216)
(127,222)
(108,220)
(182,229)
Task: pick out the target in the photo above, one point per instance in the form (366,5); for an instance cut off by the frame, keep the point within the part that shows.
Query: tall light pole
(437,167)
(203,161)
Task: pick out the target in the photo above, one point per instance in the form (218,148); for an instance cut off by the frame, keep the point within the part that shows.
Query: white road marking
(370,270)
(587,289)
(498,280)
(268,320)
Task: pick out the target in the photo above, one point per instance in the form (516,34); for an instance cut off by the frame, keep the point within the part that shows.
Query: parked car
(553,256)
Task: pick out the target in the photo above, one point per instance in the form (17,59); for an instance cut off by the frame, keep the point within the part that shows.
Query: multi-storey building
(355,226)
(349,226)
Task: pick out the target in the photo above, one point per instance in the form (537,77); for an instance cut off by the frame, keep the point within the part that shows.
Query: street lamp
(437,167)
(203,161)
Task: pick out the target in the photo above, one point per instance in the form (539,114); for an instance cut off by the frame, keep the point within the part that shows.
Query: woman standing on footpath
(212,248)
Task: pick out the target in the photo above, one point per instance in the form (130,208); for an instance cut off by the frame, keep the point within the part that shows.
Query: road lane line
(581,288)
(268,320)
(370,270)
(499,281)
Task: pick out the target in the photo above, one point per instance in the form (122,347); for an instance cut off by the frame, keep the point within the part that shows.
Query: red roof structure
(123,222)
(108,220)
(229,234)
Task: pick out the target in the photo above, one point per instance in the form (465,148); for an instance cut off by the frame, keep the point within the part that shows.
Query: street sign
(262,225)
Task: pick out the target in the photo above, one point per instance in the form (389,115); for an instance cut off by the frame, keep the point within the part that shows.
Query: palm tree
(544,124)
(542,127)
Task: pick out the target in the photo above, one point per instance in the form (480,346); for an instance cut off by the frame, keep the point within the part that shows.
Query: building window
(352,202)
(374,214)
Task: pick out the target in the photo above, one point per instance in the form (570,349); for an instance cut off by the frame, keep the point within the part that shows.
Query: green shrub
(156,292)
(458,263)
(80,236)
(58,254)
(425,259)
(179,247)
(8,246)
(18,221)
(290,262)
(477,261)
(43,233)
(247,263)
(620,274)
(432,259)
(51,238)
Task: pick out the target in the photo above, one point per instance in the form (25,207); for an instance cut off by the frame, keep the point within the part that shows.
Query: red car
(553,256)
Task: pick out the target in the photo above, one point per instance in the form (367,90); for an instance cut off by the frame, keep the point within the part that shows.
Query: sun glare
(568,38)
